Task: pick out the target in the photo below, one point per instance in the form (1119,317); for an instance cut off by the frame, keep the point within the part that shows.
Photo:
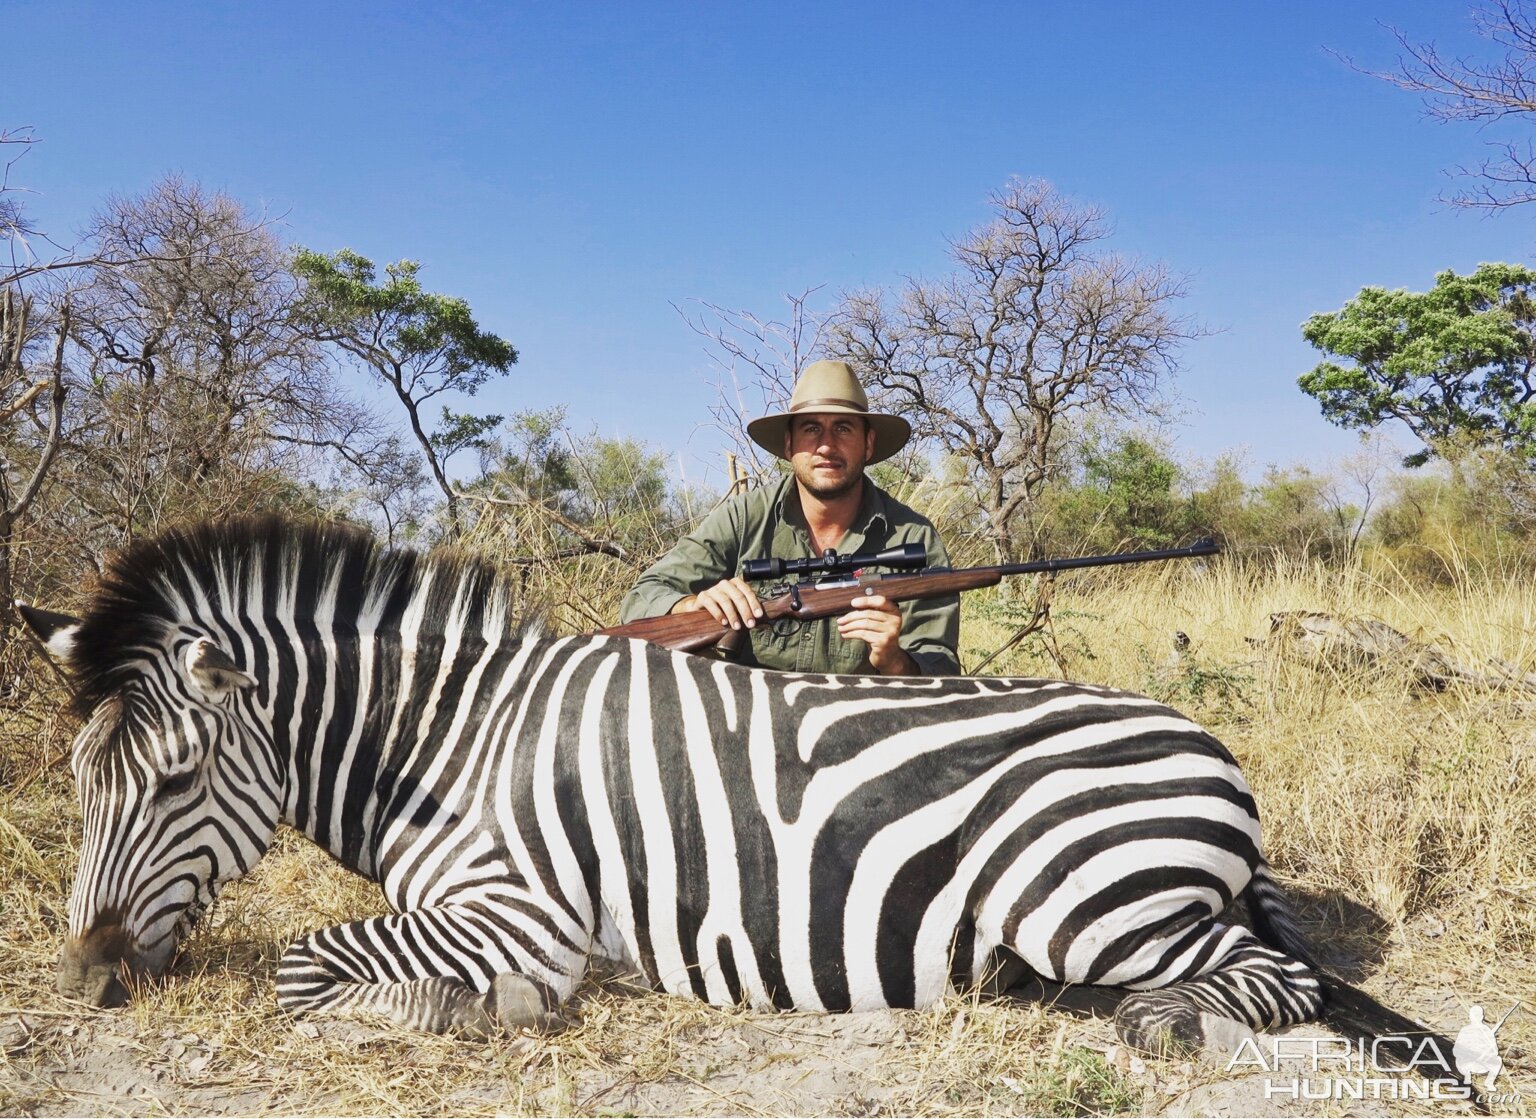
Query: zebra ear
(55,631)
(214,670)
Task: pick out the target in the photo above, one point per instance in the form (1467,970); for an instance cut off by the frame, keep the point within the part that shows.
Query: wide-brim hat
(830,387)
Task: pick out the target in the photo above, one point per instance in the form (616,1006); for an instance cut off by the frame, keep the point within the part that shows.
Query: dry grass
(1402,817)
(1410,801)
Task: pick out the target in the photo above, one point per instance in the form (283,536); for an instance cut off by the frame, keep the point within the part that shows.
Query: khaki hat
(831,387)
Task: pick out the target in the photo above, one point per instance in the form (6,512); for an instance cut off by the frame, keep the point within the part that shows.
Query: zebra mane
(239,567)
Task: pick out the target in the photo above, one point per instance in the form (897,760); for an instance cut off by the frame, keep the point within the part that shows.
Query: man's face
(828,451)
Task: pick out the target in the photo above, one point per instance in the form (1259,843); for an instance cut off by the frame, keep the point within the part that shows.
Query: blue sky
(575,169)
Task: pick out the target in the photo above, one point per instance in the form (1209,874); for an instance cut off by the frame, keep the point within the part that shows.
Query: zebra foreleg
(429,970)
(1251,987)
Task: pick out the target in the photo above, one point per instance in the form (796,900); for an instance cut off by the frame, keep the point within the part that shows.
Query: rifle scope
(907,557)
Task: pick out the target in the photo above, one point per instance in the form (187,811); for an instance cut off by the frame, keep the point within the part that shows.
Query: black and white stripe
(828,843)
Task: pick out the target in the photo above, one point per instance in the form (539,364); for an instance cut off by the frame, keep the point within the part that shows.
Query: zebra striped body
(785,840)
(767,845)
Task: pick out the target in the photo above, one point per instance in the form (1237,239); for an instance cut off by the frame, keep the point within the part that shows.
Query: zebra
(528,802)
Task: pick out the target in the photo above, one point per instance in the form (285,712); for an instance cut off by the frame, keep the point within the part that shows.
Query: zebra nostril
(103,986)
(111,992)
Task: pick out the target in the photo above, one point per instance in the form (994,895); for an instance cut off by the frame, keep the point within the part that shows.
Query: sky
(577,171)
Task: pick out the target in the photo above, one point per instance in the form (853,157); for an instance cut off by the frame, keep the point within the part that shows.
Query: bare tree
(199,392)
(1459,89)
(377,479)
(756,362)
(14,228)
(1350,497)
(1037,325)
(22,237)
(22,393)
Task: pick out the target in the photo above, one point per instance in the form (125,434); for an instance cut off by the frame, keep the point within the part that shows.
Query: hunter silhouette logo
(1477,1046)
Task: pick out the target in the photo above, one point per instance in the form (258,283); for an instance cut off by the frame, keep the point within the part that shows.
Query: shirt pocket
(847,657)
(775,645)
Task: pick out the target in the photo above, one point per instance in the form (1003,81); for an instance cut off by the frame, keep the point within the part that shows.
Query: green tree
(1136,480)
(1455,363)
(1218,498)
(1295,512)
(1122,492)
(536,457)
(420,344)
(579,496)
(1476,512)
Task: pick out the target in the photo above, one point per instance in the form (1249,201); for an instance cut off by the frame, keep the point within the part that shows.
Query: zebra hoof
(1168,1026)
(516,1003)
(1223,1038)
(1160,1024)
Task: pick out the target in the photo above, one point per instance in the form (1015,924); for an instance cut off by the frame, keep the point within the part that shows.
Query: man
(828,436)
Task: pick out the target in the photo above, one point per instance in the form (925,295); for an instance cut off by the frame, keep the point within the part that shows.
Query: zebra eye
(177,786)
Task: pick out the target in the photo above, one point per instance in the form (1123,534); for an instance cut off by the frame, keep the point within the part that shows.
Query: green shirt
(769,522)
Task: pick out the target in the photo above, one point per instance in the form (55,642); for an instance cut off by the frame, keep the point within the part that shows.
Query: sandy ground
(671,1061)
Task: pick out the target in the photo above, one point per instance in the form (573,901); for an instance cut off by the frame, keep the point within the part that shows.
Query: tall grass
(1411,801)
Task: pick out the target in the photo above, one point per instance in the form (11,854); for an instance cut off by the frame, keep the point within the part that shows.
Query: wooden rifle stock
(694,630)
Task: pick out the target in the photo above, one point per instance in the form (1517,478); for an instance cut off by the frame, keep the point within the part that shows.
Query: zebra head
(179,792)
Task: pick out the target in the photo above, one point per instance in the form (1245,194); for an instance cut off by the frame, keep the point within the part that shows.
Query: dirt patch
(711,1063)
(635,1053)
(97,1067)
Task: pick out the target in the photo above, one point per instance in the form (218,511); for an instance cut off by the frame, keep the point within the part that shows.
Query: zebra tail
(1273,919)
(1346,1008)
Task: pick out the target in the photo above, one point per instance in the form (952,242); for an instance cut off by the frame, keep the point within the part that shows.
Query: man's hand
(877,622)
(731,602)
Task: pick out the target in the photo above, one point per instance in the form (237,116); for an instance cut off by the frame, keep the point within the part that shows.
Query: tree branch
(590,544)
(55,423)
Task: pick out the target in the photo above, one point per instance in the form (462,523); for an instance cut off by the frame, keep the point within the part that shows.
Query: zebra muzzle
(93,968)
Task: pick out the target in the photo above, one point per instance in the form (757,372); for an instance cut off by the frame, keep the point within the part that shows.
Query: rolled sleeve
(699,560)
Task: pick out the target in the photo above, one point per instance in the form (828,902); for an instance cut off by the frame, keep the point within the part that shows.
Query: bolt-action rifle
(830,582)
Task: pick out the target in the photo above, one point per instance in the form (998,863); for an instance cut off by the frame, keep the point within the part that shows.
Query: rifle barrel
(1204,547)
(694,630)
